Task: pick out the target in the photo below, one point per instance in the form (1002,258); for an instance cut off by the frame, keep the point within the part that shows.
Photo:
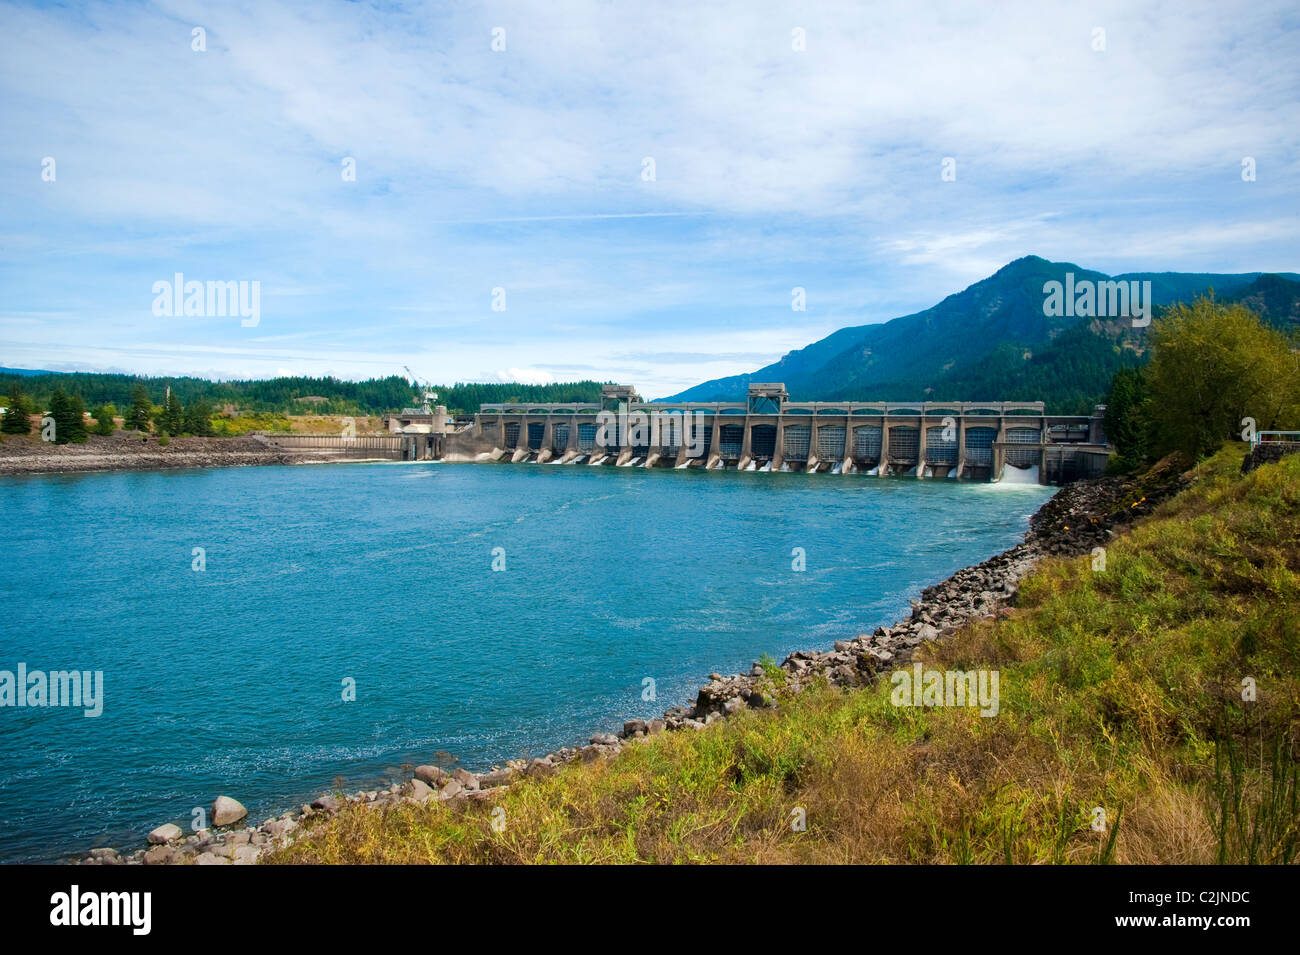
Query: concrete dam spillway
(983,441)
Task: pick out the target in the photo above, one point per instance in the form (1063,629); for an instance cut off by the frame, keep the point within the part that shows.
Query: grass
(247,421)
(1121,704)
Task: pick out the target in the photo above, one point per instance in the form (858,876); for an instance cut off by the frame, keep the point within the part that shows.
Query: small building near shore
(417,421)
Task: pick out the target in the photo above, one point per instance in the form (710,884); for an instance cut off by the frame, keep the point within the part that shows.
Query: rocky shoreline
(1076,520)
(129,452)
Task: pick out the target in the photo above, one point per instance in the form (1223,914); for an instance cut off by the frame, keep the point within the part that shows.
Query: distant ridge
(992,340)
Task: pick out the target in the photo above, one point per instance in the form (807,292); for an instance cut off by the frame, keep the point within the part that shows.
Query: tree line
(289,395)
(64,415)
(191,409)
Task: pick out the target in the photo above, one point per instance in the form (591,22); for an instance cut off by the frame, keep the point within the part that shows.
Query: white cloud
(526,376)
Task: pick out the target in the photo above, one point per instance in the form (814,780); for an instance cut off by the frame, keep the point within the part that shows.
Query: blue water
(229,680)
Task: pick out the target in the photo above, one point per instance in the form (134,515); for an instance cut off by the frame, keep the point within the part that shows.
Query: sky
(636,188)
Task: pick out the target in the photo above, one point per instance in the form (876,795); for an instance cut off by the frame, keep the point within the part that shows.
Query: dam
(980,440)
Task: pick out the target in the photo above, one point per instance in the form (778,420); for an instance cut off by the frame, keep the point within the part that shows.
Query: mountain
(1274,298)
(993,341)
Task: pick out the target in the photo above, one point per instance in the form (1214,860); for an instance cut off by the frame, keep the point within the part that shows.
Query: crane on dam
(429,396)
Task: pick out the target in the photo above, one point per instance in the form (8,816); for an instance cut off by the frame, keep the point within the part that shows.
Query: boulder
(226,811)
(452,789)
(165,834)
(497,777)
(467,780)
(246,855)
(328,802)
(279,827)
(760,698)
(420,791)
(844,675)
(159,855)
(431,775)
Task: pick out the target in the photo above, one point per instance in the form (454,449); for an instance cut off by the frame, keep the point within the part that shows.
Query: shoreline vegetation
(718,779)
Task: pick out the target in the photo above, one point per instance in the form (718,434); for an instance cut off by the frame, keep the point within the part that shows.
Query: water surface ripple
(229,680)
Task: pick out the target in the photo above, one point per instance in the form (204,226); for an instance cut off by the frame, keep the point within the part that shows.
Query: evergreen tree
(1128,420)
(198,418)
(141,410)
(172,419)
(104,423)
(76,419)
(16,420)
(60,411)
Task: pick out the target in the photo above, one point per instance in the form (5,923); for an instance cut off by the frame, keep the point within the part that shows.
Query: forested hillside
(296,395)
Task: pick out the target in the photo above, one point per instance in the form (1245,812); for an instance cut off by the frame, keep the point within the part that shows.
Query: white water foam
(1016,475)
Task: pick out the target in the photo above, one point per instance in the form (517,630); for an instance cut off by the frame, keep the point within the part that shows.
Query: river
(231,610)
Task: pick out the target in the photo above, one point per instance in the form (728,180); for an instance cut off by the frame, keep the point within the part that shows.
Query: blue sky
(523,169)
